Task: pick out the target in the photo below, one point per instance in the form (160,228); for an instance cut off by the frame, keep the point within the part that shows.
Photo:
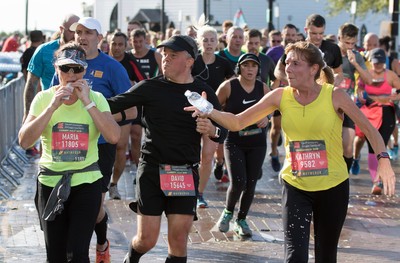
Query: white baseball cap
(88,22)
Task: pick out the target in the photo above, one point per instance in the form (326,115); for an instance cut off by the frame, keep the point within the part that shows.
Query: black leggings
(387,126)
(244,169)
(69,235)
(106,161)
(328,211)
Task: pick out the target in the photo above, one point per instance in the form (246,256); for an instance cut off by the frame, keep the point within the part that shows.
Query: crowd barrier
(11,156)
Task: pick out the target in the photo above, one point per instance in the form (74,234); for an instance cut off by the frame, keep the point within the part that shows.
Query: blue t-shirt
(41,63)
(106,75)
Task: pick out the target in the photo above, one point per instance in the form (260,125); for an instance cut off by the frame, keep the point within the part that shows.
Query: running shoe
(225,178)
(32,152)
(201,203)
(276,165)
(104,256)
(223,222)
(114,193)
(377,188)
(355,167)
(242,228)
(218,170)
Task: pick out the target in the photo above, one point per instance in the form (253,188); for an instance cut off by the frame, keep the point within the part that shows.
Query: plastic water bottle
(199,102)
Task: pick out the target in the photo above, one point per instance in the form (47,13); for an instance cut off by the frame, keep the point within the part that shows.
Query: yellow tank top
(313,142)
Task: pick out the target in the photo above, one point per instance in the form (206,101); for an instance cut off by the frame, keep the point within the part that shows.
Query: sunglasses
(276,41)
(75,70)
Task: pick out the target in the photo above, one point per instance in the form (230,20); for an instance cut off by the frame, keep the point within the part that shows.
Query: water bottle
(199,102)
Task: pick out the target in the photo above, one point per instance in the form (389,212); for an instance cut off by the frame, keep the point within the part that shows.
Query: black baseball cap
(181,43)
(249,57)
(378,55)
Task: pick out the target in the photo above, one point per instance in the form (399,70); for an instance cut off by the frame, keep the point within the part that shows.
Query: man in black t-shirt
(36,37)
(167,175)
(235,41)
(315,29)
(118,45)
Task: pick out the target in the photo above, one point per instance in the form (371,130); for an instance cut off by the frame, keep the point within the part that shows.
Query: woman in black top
(244,150)
(213,70)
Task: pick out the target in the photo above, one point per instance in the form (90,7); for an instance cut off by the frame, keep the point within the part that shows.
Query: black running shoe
(276,165)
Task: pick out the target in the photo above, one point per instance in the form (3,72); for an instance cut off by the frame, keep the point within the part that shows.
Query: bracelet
(123,116)
(383,155)
(90,105)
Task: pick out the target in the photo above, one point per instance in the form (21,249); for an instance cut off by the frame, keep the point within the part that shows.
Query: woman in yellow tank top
(315,177)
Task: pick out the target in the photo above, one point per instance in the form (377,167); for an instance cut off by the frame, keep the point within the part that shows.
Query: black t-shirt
(231,59)
(170,132)
(332,54)
(133,69)
(26,57)
(267,68)
(214,74)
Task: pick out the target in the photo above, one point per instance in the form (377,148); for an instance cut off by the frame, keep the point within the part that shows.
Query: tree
(363,6)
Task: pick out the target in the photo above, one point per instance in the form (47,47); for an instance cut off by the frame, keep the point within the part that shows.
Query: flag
(239,19)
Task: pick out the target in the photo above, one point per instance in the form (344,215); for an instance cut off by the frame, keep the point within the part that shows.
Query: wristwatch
(90,105)
(217,132)
(383,155)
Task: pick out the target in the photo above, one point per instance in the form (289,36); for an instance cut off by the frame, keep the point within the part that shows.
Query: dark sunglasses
(75,70)
(276,41)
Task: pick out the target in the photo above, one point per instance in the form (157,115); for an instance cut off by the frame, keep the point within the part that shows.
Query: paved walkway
(371,232)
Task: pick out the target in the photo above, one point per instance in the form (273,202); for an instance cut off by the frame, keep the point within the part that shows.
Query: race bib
(346,83)
(308,158)
(70,142)
(177,180)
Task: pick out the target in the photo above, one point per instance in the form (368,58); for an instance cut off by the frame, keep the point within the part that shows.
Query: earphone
(204,70)
(246,57)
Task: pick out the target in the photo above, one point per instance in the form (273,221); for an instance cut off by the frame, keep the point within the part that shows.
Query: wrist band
(90,105)
(123,115)
(383,155)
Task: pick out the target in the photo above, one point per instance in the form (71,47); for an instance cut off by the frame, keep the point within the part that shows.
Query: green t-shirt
(69,141)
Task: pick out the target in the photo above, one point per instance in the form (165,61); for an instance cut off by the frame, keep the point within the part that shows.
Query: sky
(42,14)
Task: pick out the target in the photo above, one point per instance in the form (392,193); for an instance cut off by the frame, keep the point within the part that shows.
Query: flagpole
(162,20)
(270,16)
(26,16)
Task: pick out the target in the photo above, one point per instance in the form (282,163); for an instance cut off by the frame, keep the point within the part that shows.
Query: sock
(372,165)
(349,162)
(133,256)
(101,230)
(174,259)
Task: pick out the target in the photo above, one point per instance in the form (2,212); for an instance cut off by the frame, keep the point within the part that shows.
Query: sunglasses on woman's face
(73,69)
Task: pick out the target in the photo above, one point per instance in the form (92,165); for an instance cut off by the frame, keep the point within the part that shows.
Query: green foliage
(363,7)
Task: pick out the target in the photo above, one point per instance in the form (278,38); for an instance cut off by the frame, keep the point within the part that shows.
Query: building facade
(117,13)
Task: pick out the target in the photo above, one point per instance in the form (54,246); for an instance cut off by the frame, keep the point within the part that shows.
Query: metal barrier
(11,113)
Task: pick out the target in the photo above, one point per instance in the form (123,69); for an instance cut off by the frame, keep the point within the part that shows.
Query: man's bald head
(371,41)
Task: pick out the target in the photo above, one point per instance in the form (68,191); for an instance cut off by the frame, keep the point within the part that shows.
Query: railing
(11,113)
